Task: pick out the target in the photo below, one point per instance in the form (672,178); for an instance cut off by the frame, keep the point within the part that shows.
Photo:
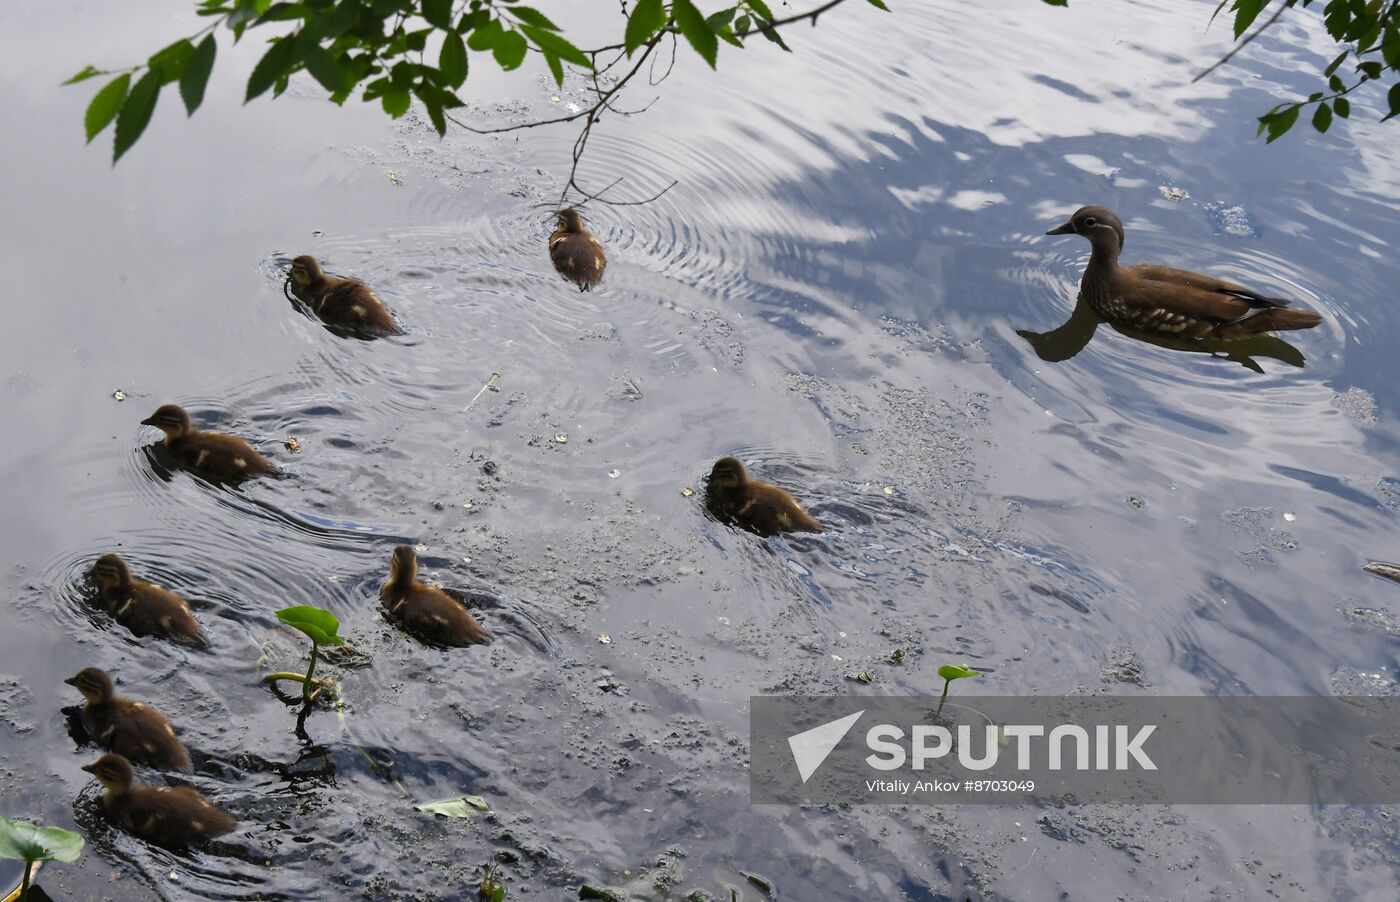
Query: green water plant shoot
(320,626)
(951,672)
(31,844)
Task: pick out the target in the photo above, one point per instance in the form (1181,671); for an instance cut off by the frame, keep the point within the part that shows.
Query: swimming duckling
(756,506)
(347,303)
(144,608)
(128,728)
(577,255)
(165,815)
(426,611)
(213,455)
(1168,301)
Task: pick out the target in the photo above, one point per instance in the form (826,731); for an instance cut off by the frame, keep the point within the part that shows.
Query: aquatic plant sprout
(31,843)
(320,626)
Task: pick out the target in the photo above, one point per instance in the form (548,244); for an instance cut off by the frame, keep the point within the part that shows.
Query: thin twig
(489,382)
(1249,39)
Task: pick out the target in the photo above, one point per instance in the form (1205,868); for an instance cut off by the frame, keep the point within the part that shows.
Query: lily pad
(952,672)
(465,807)
(23,841)
(318,624)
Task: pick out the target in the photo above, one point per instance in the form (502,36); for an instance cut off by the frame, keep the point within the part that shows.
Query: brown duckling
(346,303)
(756,506)
(426,611)
(128,728)
(144,608)
(1166,301)
(213,455)
(577,255)
(165,815)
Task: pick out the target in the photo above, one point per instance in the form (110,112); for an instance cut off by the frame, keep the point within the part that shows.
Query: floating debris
(605,639)
(421,548)
(317,233)
(293,444)
(119,395)
(467,505)
(889,490)
(897,656)
(394,177)
(1290,517)
(1383,570)
(1172,193)
(687,491)
(614,473)
(1358,404)
(561,437)
(1135,502)
(1232,220)
(864,676)
(463,807)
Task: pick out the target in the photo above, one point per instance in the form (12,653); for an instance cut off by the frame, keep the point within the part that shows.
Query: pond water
(834,292)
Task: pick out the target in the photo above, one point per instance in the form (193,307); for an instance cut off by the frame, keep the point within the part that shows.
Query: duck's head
(728,473)
(403,568)
(93,683)
(113,772)
(570,221)
(1093,222)
(111,572)
(170,419)
(305,270)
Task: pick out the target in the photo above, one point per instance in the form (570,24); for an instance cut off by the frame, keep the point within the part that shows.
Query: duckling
(1162,300)
(213,455)
(426,611)
(346,303)
(577,255)
(144,608)
(165,815)
(128,728)
(756,506)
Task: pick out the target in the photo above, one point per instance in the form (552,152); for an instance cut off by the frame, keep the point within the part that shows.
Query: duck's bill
(72,681)
(149,421)
(1066,229)
(90,768)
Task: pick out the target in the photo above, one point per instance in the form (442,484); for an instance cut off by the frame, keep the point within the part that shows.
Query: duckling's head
(170,419)
(403,568)
(305,271)
(113,772)
(728,473)
(93,683)
(1093,222)
(570,221)
(111,572)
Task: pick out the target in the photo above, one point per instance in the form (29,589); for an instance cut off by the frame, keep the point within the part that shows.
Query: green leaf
(280,57)
(648,17)
(197,74)
(1246,11)
(1393,101)
(531,16)
(1279,123)
(86,73)
(453,60)
(555,44)
(396,100)
(318,624)
(696,30)
(1066,3)
(283,12)
(324,67)
(431,103)
(102,109)
(23,841)
(1342,107)
(486,35)
(880,4)
(438,13)
(136,112)
(952,672)
(760,9)
(556,68)
(1322,117)
(171,61)
(743,24)
(463,807)
(510,50)
(1332,66)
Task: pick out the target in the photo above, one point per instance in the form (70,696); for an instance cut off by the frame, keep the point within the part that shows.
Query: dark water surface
(833,293)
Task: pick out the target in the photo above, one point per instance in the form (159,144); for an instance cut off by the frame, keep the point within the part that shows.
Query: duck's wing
(1170,276)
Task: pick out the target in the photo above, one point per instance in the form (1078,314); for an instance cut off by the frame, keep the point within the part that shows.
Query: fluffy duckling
(426,611)
(577,255)
(128,728)
(165,815)
(756,506)
(144,608)
(346,303)
(1166,301)
(213,455)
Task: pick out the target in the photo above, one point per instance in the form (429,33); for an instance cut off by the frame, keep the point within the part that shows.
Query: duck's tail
(1272,319)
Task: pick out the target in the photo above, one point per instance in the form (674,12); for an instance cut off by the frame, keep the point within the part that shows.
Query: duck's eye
(1090,222)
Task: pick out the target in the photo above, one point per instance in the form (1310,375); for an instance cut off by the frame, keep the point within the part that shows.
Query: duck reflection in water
(1074,335)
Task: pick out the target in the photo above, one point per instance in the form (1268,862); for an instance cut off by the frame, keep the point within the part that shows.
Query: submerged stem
(24,887)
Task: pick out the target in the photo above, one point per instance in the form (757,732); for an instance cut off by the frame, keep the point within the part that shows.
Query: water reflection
(1074,334)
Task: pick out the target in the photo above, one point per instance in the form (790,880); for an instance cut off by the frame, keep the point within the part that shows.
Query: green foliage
(396,51)
(1368,32)
(318,624)
(951,672)
(30,843)
(491,889)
